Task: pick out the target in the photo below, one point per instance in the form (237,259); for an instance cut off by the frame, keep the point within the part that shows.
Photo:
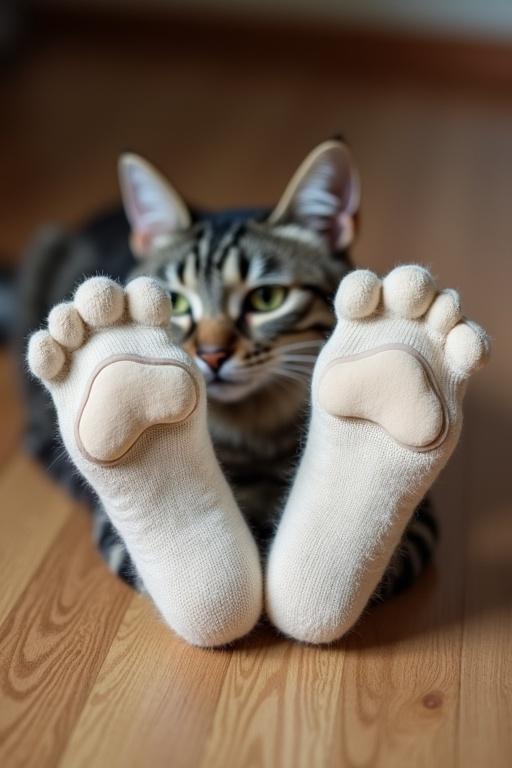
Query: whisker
(301,379)
(297,368)
(306,375)
(302,345)
(307,372)
(298,358)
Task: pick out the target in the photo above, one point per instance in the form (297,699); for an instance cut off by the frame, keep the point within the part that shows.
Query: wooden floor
(89,677)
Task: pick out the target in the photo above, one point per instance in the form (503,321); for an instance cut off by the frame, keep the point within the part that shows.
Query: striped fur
(258,435)
(258,404)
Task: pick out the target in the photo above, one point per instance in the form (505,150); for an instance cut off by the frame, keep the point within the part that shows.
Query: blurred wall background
(490,18)
(189,81)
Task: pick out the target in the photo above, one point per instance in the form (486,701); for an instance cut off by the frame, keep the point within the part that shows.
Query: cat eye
(180,303)
(266,298)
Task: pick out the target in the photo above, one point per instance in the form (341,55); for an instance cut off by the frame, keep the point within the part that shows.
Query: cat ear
(154,209)
(323,195)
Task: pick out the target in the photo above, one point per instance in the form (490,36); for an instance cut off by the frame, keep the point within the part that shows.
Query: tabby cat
(252,304)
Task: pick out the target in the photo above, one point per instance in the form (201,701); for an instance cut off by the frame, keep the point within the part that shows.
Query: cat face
(251,296)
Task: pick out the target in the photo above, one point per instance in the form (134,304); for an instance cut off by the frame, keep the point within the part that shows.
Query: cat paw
(106,357)
(399,347)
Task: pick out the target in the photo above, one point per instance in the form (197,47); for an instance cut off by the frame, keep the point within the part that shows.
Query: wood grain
(89,676)
(33,512)
(275,690)
(52,644)
(10,409)
(152,688)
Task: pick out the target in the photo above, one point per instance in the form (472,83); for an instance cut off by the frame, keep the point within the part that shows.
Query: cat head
(251,291)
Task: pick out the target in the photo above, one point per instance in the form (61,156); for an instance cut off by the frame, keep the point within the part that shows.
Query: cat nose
(213,356)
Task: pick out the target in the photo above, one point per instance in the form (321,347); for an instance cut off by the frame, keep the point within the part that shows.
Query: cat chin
(226,392)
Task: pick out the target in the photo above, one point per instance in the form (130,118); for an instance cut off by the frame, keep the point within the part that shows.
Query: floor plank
(153,701)
(32,514)
(52,644)
(278,705)
(10,408)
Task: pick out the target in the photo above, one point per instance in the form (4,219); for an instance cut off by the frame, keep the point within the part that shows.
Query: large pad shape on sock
(392,386)
(127,396)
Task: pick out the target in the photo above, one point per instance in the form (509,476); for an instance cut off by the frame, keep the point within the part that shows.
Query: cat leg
(413,554)
(112,549)
(132,414)
(387,397)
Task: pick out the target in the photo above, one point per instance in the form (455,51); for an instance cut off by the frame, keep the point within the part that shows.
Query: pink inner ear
(149,205)
(153,207)
(346,187)
(140,243)
(344,230)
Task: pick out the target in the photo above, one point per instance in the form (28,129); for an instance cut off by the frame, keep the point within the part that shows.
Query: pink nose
(212,357)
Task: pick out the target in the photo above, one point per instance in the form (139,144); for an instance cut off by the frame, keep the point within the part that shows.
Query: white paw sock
(386,415)
(132,414)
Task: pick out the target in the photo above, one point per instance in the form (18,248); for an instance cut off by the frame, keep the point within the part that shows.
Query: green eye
(266,298)
(180,304)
